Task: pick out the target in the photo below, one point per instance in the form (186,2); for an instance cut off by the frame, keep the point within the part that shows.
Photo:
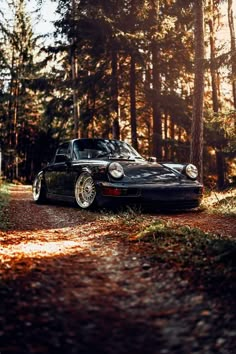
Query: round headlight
(191,171)
(116,170)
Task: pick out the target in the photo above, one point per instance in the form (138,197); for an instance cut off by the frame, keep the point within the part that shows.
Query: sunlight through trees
(120,70)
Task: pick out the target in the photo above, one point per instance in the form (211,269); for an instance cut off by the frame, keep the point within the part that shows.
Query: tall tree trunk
(214,75)
(233,52)
(156,84)
(233,47)
(196,153)
(114,94)
(220,164)
(10,140)
(166,143)
(15,124)
(133,117)
(74,68)
(157,121)
(172,137)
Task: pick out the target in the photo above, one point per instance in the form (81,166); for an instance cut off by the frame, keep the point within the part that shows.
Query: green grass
(4,202)
(187,245)
(222,203)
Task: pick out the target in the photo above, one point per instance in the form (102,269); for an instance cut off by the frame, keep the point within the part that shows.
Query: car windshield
(98,148)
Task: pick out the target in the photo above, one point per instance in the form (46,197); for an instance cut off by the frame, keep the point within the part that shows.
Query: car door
(71,172)
(55,173)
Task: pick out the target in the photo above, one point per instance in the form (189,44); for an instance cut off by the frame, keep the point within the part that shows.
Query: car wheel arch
(86,169)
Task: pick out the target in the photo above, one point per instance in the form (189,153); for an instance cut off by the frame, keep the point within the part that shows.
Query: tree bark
(133,118)
(196,153)
(214,76)
(114,95)
(74,68)
(233,53)
(157,121)
(156,84)
(233,47)
(215,100)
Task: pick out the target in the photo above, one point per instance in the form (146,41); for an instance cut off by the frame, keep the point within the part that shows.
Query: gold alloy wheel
(85,191)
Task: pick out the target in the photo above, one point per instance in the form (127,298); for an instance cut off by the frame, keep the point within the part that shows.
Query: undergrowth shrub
(186,244)
(223,203)
(4,201)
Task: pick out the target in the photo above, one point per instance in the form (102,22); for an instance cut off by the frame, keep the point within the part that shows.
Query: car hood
(145,172)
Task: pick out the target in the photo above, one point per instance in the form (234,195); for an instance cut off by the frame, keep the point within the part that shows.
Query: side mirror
(62,158)
(152,159)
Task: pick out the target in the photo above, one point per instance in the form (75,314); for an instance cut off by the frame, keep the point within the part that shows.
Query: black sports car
(101,172)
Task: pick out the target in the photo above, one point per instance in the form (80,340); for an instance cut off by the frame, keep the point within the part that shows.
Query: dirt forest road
(72,283)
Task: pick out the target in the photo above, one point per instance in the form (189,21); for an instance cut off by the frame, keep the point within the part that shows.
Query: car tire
(85,191)
(39,190)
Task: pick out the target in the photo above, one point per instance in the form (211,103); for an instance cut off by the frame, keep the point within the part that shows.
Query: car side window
(76,154)
(63,150)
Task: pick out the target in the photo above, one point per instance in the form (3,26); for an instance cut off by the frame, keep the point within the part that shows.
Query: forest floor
(79,282)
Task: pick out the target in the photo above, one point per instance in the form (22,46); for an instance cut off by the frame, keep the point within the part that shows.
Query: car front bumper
(172,195)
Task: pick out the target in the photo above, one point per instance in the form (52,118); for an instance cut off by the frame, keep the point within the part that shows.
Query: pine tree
(196,156)
(20,103)
(233,49)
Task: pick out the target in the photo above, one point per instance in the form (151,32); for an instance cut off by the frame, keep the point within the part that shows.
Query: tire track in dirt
(71,282)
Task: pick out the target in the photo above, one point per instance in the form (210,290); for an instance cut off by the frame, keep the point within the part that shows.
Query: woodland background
(160,74)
